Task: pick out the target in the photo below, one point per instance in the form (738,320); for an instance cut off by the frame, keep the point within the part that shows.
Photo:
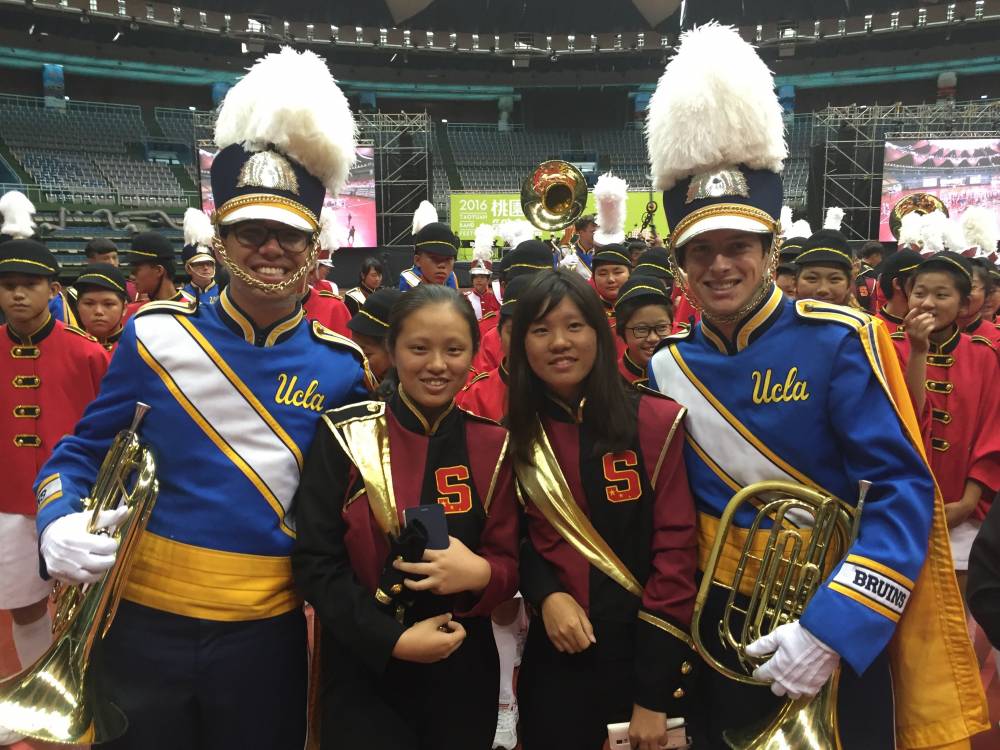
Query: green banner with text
(469,210)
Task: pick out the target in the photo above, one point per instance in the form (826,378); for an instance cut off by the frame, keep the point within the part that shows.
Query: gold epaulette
(478,376)
(168,306)
(411,278)
(824,311)
(79,332)
(477,417)
(645,390)
(899,335)
(983,340)
(681,335)
(324,334)
(490,314)
(354,412)
(328,293)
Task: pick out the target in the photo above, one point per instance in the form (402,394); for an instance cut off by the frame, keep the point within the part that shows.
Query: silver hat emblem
(718,184)
(271,170)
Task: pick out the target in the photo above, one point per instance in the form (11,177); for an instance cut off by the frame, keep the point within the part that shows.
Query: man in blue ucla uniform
(209,646)
(801,392)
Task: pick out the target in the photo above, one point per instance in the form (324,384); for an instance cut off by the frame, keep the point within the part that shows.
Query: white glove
(569,261)
(801,664)
(74,555)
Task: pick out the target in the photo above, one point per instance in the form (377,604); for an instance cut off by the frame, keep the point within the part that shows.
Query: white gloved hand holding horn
(800,665)
(73,554)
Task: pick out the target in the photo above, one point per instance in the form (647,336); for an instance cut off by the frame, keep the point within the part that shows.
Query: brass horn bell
(554,195)
(922,203)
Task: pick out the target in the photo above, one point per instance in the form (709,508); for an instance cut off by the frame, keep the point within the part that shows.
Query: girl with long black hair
(408,659)
(611,553)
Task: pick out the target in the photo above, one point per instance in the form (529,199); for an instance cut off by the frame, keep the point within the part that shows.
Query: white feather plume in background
(18,213)
(424,215)
(610,195)
(198,229)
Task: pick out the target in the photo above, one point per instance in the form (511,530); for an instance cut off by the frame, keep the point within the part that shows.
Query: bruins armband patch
(49,489)
(874,585)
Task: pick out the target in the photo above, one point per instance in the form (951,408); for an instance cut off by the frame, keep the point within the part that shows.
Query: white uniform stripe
(221,404)
(734,454)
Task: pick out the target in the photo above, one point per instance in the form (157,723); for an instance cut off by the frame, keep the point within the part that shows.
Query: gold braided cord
(265,199)
(767,278)
(724,209)
(83,280)
(800,256)
(948,260)
(48,268)
(292,283)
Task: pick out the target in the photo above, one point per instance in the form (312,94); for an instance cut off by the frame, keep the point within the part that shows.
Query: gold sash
(546,487)
(366,442)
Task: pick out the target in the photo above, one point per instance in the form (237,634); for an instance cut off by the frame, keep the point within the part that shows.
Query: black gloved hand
(409,546)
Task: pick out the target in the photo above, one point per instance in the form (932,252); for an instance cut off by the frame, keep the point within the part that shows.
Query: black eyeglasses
(642,331)
(256,235)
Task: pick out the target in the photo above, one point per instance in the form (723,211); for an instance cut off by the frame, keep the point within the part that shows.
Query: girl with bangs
(614,584)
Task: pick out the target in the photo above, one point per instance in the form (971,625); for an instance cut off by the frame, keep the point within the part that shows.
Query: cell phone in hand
(677,738)
(434,521)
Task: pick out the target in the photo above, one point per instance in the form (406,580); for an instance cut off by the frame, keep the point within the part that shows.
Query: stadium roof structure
(811,43)
(556,16)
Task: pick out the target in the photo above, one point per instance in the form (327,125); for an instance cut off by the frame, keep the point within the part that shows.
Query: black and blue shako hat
(198,237)
(286,137)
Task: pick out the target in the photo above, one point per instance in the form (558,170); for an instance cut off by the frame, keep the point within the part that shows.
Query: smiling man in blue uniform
(209,646)
(802,392)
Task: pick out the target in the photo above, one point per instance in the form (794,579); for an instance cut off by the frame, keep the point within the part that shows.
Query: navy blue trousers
(206,685)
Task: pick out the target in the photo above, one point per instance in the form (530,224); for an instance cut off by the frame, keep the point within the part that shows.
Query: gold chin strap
(770,264)
(292,284)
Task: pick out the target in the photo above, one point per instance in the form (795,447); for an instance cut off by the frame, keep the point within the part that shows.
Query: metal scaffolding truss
(854,145)
(402,166)
(402,169)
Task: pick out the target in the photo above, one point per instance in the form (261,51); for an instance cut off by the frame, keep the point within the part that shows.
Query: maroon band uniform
(639,502)
(371,699)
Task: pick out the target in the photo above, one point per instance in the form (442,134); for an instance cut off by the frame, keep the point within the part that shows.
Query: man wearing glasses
(209,645)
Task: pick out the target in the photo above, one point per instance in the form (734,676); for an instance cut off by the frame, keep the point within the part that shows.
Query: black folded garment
(392,596)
